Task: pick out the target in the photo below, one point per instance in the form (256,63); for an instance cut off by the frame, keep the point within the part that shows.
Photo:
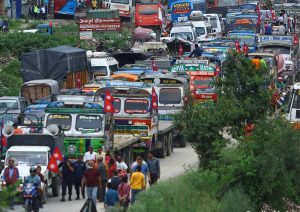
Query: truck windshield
(99,70)
(170,96)
(27,158)
(200,30)
(89,122)
(296,102)
(148,9)
(184,35)
(117,105)
(204,82)
(62,120)
(8,104)
(136,106)
(120,1)
(34,117)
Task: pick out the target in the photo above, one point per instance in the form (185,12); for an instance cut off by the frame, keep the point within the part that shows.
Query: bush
(13,68)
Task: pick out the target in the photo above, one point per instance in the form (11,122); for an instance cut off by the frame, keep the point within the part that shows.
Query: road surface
(181,159)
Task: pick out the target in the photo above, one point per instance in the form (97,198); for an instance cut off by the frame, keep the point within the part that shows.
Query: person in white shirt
(100,153)
(121,165)
(281,29)
(280,18)
(90,155)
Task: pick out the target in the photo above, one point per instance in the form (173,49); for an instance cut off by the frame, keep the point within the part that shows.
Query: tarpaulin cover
(143,34)
(54,63)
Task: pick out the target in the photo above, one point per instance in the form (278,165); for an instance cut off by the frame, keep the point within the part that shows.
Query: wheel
(55,186)
(161,153)
(182,141)
(170,144)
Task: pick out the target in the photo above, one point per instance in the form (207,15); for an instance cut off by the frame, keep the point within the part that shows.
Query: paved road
(181,159)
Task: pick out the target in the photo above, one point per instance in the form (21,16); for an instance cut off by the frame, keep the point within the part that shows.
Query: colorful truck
(181,11)
(247,37)
(134,115)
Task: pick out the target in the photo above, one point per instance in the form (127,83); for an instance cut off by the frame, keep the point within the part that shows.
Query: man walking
(90,155)
(79,169)
(102,169)
(67,178)
(111,197)
(100,153)
(144,167)
(137,183)
(11,176)
(115,181)
(92,180)
(154,168)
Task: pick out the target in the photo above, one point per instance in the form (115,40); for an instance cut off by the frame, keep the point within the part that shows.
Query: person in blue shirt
(79,168)
(143,165)
(33,178)
(111,197)
(197,52)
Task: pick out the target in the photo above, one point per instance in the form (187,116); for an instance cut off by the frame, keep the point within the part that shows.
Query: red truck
(150,15)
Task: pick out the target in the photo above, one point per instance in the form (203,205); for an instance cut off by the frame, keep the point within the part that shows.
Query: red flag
(154,99)
(273,14)
(52,165)
(180,51)
(257,9)
(245,48)
(237,46)
(108,102)
(57,154)
(154,67)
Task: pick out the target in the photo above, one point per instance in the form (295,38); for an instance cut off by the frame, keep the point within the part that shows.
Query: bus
(181,11)
(199,5)
(65,7)
(151,15)
(125,7)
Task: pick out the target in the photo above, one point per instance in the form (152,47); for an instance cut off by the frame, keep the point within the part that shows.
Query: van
(185,30)
(14,106)
(214,20)
(203,29)
(101,64)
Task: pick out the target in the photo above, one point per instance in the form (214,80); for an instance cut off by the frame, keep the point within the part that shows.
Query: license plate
(27,196)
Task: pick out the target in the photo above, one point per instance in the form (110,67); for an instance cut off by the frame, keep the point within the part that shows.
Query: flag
(108,102)
(273,14)
(154,67)
(180,51)
(237,46)
(78,81)
(52,165)
(257,10)
(57,154)
(154,99)
(245,48)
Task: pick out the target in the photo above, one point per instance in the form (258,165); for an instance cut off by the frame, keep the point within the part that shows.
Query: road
(177,163)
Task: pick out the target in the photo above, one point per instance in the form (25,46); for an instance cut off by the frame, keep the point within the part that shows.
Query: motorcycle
(31,198)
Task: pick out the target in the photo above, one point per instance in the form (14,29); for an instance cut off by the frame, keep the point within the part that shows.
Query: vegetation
(10,79)
(113,39)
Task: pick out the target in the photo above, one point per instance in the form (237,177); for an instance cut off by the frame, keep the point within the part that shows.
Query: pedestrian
(10,177)
(31,12)
(90,155)
(67,171)
(197,52)
(137,183)
(36,12)
(280,18)
(121,165)
(154,168)
(100,153)
(111,168)
(124,192)
(91,179)
(268,29)
(42,178)
(43,13)
(107,157)
(115,181)
(111,197)
(79,169)
(94,4)
(102,169)
(144,167)
(17,131)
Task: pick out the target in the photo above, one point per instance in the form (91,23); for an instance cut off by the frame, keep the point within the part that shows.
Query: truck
(33,149)
(181,10)
(134,115)
(65,8)
(13,105)
(202,76)
(247,37)
(172,92)
(83,123)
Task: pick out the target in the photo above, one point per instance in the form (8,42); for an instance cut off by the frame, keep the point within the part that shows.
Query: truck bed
(165,126)
(122,141)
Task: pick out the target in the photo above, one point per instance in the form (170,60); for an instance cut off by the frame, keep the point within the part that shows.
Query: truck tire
(55,186)
(181,141)
(161,153)
(170,144)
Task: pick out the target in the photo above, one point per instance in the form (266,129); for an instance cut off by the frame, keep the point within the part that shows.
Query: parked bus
(65,7)
(181,11)
(125,7)
(150,15)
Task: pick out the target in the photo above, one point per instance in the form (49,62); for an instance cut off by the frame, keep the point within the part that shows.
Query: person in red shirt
(112,167)
(11,176)
(124,192)
(249,127)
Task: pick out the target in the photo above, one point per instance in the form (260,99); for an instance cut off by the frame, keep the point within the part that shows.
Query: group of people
(105,178)
(37,12)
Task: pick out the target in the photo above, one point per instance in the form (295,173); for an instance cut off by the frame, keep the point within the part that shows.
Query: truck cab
(203,29)
(293,111)
(101,64)
(82,122)
(214,20)
(14,106)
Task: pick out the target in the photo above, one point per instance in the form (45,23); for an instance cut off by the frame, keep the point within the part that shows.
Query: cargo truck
(134,115)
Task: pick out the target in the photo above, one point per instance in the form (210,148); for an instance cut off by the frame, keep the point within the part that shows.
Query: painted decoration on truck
(191,67)
(288,40)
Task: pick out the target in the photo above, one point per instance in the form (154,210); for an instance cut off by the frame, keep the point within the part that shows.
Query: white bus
(125,7)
